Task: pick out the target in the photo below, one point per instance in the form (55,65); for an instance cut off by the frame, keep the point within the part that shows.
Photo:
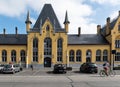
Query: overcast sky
(86,14)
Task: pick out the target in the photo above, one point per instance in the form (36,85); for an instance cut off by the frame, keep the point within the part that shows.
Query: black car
(89,68)
(59,68)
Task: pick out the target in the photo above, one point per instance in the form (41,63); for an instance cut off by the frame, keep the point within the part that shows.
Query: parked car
(59,68)
(1,67)
(11,68)
(89,68)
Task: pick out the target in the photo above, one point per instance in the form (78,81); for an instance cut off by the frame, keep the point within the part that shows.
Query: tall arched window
(105,55)
(4,56)
(88,55)
(22,54)
(117,56)
(13,56)
(47,46)
(98,55)
(35,50)
(59,50)
(78,56)
(71,56)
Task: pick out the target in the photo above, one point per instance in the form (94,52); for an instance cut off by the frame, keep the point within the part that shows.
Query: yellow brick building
(47,43)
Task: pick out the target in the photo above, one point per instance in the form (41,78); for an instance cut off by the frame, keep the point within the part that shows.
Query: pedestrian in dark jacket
(31,67)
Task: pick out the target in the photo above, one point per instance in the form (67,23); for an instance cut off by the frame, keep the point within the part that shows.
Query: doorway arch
(47,62)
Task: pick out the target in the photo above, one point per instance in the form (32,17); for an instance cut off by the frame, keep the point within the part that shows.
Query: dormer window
(47,28)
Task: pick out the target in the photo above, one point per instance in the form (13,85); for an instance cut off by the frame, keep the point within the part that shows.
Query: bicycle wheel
(102,73)
(112,73)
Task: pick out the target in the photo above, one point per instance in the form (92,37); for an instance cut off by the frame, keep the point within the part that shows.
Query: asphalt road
(59,81)
(45,78)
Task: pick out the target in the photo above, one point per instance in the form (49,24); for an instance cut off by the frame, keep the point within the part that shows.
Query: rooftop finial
(66,18)
(28,18)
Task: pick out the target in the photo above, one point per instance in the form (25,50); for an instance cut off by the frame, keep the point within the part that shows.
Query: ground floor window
(117,56)
(98,55)
(105,55)
(59,56)
(23,58)
(13,56)
(4,56)
(78,56)
(71,56)
(35,56)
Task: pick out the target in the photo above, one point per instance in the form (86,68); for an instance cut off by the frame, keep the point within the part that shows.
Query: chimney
(4,31)
(16,31)
(107,25)
(119,13)
(108,20)
(79,31)
(98,29)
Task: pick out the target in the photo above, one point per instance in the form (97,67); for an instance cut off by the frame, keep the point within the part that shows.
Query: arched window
(78,56)
(35,50)
(22,54)
(117,43)
(47,46)
(98,55)
(4,56)
(71,56)
(88,55)
(59,50)
(117,56)
(47,28)
(105,55)
(13,56)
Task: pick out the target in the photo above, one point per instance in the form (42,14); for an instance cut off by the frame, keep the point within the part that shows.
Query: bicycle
(111,73)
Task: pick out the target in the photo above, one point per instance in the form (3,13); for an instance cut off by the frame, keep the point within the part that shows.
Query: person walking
(31,67)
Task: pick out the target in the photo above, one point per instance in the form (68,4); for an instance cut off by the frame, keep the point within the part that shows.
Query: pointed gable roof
(112,24)
(47,12)
(66,19)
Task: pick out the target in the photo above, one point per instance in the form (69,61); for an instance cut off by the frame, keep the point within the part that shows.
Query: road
(36,79)
(59,81)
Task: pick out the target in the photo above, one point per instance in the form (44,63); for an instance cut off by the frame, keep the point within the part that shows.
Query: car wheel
(96,71)
(65,72)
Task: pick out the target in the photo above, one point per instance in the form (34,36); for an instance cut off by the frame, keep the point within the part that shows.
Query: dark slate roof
(87,39)
(47,12)
(60,30)
(12,39)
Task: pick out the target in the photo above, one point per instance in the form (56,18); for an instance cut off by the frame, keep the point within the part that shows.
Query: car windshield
(8,66)
(92,64)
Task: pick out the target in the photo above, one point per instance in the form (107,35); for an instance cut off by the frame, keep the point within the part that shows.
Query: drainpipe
(110,56)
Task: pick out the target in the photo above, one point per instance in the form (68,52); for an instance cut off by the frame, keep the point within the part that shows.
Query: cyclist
(106,67)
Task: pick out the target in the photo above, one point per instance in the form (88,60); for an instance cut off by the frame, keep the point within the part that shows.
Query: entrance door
(47,62)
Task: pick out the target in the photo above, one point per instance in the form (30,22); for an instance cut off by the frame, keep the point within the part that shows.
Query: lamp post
(113,52)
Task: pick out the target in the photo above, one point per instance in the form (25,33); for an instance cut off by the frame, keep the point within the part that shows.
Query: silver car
(1,67)
(11,68)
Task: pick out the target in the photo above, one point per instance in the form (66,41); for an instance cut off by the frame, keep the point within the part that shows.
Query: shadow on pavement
(76,71)
(49,72)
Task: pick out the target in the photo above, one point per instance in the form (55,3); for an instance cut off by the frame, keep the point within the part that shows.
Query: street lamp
(113,52)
